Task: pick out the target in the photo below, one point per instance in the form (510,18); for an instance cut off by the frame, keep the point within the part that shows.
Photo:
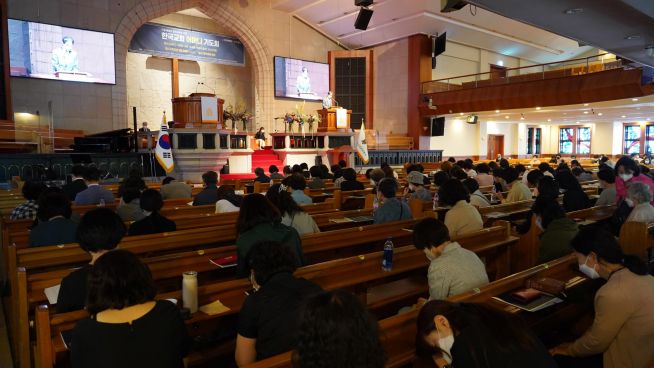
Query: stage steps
(260,158)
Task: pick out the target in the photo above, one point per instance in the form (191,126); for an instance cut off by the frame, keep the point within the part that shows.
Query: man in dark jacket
(209,195)
(77,183)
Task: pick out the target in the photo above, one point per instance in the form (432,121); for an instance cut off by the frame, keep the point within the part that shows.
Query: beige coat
(463,218)
(623,328)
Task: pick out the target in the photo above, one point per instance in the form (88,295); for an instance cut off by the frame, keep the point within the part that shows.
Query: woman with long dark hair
(259,220)
(622,333)
(336,330)
(292,214)
(469,335)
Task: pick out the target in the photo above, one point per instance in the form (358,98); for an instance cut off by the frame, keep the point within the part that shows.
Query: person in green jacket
(558,230)
(258,221)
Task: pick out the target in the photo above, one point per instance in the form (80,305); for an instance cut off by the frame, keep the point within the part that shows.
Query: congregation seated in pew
(518,191)
(208,195)
(31,192)
(259,220)
(227,199)
(94,193)
(391,208)
(298,183)
(292,214)
(627,171)
(316,178)
(452,269)
(558,230)
(261,176)
(606,178)
(639,196)
(622,332)
(416,188)
(477,198)
(475,335)
(483,176)
(171,189)
(267,322)
(99,231)
(77,183)
(350,182)
(574,197)
(127,327)
(274,173)
(336,330)
(153,222)
(129,208)
(463,217)
(53,224)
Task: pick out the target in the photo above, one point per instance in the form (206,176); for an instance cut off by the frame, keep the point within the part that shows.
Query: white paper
(52,293)
(341,118)
(209,109)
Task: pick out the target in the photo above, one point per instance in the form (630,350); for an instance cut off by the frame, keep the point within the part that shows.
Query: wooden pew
(358,273)
(636,239)
(398,332)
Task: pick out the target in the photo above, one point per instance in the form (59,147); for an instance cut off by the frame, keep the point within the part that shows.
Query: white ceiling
(624,110)
(623,27)
(395,19)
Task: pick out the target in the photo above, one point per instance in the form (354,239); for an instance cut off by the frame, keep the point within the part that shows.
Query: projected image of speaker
(363,19)
(437,126)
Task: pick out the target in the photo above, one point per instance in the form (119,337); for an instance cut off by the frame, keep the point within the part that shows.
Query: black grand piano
(114,141)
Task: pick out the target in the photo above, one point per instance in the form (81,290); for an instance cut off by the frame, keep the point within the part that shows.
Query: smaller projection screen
(46,51)
(304,80)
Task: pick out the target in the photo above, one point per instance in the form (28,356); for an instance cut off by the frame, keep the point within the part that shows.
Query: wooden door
(495,146)
(497,71)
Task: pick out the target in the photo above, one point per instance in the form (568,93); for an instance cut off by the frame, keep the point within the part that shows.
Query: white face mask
(626,177)
(445,344)
(629,202)
(412,187)
(430,256)
(539,223)
(589,271)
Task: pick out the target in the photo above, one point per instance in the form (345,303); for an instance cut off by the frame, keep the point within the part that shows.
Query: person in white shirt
(453,270)
(228,201)
(477,198)
(483,176)
(534,161)
(292,214)
(467,167)
(639,196)
(463,217)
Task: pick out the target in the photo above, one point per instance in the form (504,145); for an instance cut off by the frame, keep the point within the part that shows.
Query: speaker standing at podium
(328,101)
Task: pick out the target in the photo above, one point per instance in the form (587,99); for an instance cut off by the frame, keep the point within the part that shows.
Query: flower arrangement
(300,118)
(238,113)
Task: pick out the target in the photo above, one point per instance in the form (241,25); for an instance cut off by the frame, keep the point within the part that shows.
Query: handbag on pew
(547,285)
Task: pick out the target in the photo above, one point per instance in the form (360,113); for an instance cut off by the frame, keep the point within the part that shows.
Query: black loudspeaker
(437,126)
(452,5)
(363,2)
(363,19)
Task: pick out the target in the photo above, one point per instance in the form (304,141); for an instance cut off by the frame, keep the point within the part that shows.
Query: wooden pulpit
(188,110)
(328,120)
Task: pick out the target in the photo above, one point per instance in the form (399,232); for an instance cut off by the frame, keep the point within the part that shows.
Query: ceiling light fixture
(634,99)
(600,114)
(586,104)
(573,11)
(577,122)
(460,114)
(624,116)
(537,108)
(522,116)
(506,117)
(549,120)
(585,112)
(497,111)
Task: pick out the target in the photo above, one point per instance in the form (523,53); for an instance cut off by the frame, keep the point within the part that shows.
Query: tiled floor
(5,352)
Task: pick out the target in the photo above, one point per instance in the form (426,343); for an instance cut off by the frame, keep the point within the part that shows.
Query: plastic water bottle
(387,262)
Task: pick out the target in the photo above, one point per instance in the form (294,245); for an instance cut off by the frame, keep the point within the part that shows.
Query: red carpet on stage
(260,158)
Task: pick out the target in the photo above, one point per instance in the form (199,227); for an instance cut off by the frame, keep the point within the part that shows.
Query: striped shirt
(455,271)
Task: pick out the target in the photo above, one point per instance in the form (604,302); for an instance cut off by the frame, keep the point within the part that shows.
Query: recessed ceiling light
(549,120)
(585,104)
(585,112)
(537,108)
(506,117)
(497,111)
(632,37)
(624,116)
(460,114)
(634,99)
(577,122)
(573,11)
(600,114)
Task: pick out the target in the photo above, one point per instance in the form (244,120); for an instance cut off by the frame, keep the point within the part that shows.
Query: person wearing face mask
(622,333)
(557,229)
(453,270)
(416,189)
(265,322)
(627,171)
(639,196)
(607,183)
(470,335)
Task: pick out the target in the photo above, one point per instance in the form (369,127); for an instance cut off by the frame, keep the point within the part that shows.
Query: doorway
(497,72)
(495,146)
